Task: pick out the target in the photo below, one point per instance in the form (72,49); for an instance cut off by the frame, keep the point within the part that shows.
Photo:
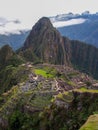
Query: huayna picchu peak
(41,87)
(45,44)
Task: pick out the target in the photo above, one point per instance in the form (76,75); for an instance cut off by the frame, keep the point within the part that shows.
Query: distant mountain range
(14,40)
(12,32)
(83,27)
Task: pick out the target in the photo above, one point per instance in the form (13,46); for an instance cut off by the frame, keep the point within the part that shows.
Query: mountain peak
(6,53)
(40,29)
(44,22)
(45,43)
(6,50)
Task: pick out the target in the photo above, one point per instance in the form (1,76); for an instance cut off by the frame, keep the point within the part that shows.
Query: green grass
(86,90)
(83,89)
(43,73)
(71,83)
(91,124)
(66,96)
(41,101)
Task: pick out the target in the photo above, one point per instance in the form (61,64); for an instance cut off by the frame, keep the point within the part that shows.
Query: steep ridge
(6,53)
(84,57)
(46,43)
(8,57)
(9,62)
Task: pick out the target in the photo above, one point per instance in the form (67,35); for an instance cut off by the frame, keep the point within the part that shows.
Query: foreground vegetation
(50,101)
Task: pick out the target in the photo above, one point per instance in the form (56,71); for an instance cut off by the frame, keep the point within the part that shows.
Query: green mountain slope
(9,62)
(84,57)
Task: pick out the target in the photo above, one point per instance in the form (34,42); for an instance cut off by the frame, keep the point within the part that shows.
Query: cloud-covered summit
(12,26)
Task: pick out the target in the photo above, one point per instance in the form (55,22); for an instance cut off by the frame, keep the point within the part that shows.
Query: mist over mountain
(83,27)
(12,26)
(12,32)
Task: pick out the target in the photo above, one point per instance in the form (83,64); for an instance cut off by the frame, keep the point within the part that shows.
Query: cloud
(69,22)
(12,26)
(3,21)
(16,26)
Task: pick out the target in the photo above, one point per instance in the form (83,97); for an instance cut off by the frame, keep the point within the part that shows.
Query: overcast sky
(29,11)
